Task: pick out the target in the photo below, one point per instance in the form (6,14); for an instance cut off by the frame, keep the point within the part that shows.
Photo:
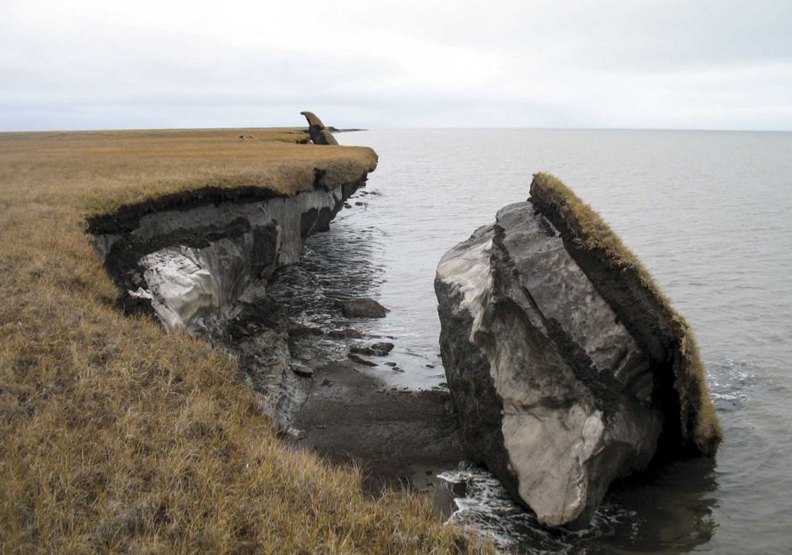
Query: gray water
(709,213)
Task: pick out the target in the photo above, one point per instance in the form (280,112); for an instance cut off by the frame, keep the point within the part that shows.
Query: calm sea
(709,213)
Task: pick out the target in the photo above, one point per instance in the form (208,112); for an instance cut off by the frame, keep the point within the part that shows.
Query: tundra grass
(115,436)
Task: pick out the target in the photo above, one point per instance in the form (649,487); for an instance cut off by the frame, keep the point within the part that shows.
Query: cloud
(607,63)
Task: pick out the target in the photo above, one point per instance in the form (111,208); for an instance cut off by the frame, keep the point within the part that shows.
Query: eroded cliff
(193,257)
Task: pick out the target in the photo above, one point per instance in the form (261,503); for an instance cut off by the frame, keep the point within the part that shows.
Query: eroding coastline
(194,263)
(224,267)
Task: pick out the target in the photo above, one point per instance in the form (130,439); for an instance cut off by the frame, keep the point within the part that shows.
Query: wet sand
(400,438)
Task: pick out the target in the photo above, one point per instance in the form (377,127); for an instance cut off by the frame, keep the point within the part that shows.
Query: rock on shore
(363,308)
(567,367)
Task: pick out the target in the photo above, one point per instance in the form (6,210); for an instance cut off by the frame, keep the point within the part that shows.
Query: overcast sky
(84,64)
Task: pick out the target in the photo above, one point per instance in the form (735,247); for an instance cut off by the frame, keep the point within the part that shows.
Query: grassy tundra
(115,436)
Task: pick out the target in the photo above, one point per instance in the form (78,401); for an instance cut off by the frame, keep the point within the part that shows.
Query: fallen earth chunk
(568,368)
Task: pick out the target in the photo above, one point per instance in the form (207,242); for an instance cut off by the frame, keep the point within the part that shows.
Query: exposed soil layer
(643,309)
(127,218)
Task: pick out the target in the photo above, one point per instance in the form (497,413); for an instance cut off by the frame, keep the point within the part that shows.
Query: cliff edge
(193,256)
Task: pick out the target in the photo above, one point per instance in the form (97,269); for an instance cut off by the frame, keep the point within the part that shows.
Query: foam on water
(487,510)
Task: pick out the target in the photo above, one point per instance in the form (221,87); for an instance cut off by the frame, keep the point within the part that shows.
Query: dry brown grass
(592,234)
(106,170)
(115,436)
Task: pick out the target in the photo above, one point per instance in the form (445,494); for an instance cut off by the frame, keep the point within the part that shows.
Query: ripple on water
(731,383)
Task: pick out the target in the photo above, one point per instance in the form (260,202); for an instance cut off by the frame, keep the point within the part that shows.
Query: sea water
(710,215)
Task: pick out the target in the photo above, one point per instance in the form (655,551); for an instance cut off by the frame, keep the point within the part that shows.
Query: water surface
(709,213)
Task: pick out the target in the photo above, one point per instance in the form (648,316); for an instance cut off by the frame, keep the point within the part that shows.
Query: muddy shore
(294,348)
(399,437)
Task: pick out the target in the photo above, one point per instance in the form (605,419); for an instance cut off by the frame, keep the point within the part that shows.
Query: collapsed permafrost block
(567,366)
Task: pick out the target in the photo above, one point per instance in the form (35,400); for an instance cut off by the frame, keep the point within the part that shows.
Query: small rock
(302,370)
(327,383)
(377,349)
(295,433)
(347,333)
(303,331)
(358,203)
(397,369)
(390,364)
(430,365)
(360,360)
(363,308)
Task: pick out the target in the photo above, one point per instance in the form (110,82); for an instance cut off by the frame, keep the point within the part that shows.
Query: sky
(657,64)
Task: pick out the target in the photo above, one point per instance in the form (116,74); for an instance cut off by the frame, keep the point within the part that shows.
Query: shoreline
(342,408)
(399,438)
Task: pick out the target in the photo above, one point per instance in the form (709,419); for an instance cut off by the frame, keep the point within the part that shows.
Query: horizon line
(433,128)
